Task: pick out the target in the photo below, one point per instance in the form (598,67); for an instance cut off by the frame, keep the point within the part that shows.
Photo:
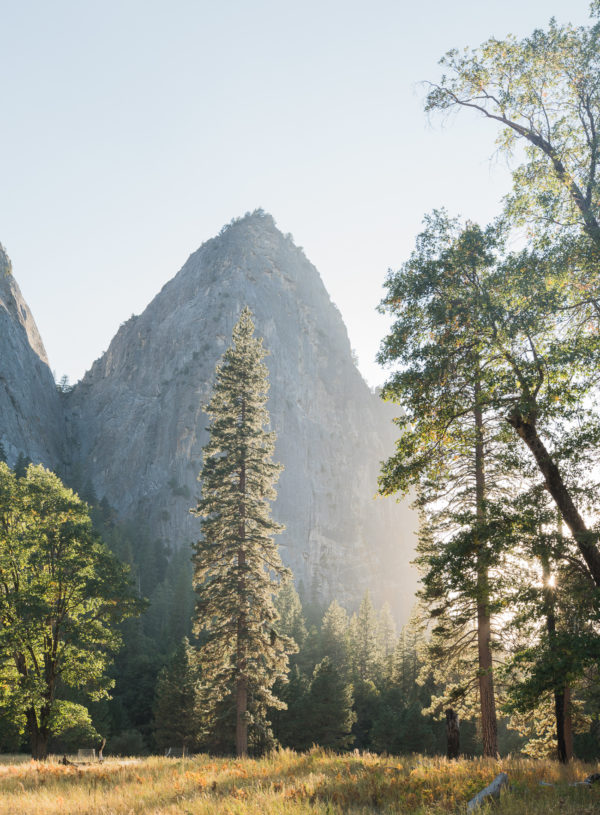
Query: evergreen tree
(330,705)
(291,619)
(237,564)
(2,453)
(293,726)
(334,638)
(21,465)
(177,713)
(386,636)
(364,641)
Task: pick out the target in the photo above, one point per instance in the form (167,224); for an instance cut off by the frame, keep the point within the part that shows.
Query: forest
(112,638)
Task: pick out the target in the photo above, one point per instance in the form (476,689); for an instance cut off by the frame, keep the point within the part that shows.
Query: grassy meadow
(316,782)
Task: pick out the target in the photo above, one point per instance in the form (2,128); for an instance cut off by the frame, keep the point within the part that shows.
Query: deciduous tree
(62,596)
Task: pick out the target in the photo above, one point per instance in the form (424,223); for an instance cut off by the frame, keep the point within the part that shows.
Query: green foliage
(364,632)
(512,338)
(291,619)
(62,595)
(544,306)
(127,743)
(21,465)
(164,576)
(399,728)
(177,704)
(335,638)
(237,565)
(330,707)
(71,727)
(542,90)
(292,725)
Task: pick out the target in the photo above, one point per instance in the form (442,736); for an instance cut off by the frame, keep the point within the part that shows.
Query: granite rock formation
(135,427)
(31,420)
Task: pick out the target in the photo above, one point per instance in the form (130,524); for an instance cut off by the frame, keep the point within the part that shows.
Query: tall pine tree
(237,565)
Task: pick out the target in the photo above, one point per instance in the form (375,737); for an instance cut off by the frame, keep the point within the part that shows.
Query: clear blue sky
(131,131)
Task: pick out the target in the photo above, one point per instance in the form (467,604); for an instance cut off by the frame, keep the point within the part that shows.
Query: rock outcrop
(135,425)
(30,409)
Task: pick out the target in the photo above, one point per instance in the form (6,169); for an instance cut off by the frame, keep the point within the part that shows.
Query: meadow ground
(312,783)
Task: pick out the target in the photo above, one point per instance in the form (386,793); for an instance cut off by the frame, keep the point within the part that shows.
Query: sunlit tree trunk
(562,695)
(489,726)
(568,723)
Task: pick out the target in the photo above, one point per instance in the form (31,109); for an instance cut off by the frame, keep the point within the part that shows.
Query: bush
(127,743)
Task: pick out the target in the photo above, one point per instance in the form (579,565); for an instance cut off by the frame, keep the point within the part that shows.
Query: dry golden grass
(312,783)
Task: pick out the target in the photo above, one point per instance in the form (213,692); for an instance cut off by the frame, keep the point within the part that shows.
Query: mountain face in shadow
(135,426)
(31,418)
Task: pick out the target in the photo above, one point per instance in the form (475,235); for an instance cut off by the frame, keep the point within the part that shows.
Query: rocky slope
(30,410)
(135,427)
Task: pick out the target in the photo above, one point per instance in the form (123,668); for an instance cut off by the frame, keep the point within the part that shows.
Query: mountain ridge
(134,424)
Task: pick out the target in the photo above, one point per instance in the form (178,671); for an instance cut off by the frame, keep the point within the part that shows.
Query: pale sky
(131,131)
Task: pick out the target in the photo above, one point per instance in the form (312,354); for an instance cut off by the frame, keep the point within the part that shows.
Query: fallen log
(491,791)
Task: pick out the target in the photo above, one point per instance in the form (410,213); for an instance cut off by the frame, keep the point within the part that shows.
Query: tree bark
(560,703)
(568,723)
(38,736)
(489,725)
(452,734)
(584,538)
(241,691)
(559,712)
(241,725)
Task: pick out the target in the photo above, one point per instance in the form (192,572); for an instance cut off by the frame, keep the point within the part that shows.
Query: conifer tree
(387,639)
(334,638)
(364,630)
(293,726)
(330,706)
(21,465)
(177,715)
(237,564)
(291,617)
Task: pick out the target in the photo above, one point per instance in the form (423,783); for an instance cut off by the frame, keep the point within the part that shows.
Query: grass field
(285,782)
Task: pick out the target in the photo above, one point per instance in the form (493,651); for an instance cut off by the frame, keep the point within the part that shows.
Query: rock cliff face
(30,409)
(135,425)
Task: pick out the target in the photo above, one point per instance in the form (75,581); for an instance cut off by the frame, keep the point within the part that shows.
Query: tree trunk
(489,725)
(241,725)
(241,691)
(560,702)
(452,734)
(568,724)
(38,736)
(559,712)
(584,538)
